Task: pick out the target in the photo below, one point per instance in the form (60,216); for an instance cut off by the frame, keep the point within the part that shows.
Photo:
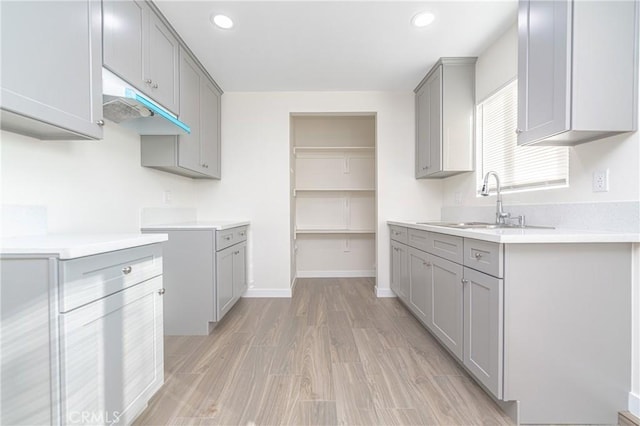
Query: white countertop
(218,225)
(529,235)
(72,246)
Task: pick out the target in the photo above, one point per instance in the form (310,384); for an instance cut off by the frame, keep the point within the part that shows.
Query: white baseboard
(337,274)
(634,404)
(384,292)
(268,292)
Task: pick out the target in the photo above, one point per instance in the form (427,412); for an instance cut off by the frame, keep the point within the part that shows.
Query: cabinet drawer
(418,239)
(398,233)
(483,256)
(446,246)
(86,279)
(229,237)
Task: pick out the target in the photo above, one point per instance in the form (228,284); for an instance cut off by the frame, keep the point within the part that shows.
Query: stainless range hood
(129,108)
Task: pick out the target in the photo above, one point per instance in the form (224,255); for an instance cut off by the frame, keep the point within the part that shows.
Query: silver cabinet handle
(236,252)
(161,291)
(518,131)
(100,123)
(126,270)
(154,86)
(478,255)
(148,81)
(463,281)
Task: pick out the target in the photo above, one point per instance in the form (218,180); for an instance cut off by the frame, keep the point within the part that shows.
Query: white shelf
(333,190)
(335,231)
(333,149)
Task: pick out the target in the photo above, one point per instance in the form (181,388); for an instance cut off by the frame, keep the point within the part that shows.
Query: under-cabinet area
(205,273)
(506,311)
(333,195)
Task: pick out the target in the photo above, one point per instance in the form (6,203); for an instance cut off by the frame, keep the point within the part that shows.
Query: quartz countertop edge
(528,236)
(218,225)
(71,246)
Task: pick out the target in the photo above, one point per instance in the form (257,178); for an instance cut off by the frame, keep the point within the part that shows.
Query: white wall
(255,169)
(87,186)
(620,154)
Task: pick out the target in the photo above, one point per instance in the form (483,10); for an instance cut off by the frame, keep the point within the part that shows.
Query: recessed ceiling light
(222,21)
(422,19)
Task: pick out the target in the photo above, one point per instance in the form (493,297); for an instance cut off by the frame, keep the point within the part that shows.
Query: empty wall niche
(333,205)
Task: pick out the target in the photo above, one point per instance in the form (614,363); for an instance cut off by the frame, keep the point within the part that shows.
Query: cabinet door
(446,299)
(483,328)
(400,270)
(189,145)
(434,129)
(163,60)
(224,281)
(112,356)
(210,128)
(422,132)
(544,53)
(420,281)
(51,69)
(125,39)
(239,270)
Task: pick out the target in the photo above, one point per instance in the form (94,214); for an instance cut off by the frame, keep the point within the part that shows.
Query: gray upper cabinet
(141,49)
(196,155)
(577,70)
(445,110)
(50,92)
(163,56)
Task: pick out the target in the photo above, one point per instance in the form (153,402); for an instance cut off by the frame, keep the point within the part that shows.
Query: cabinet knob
(155,86)
(427,264)
(425,167)
(236,252)
(242,234)
(518,131)
(463,281)
(100,123)
(126,270)
(161,291)
(148,80)
(478,255)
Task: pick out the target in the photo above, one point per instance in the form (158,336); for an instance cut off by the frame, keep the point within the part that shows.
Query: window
(521,168)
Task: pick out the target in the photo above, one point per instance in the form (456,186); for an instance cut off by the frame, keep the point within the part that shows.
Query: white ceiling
(333,45)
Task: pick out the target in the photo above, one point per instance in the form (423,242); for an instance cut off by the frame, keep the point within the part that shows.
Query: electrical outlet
(600,181)
(166,197)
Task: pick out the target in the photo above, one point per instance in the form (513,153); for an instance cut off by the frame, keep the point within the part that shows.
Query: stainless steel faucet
(501,215)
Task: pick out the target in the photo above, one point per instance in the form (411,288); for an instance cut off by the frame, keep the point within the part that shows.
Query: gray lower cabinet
(483,328)
(230,276)
(49,92)
(195,155)
(204,276)
(142,50)
(562,95)
(399,269)
(420,282)
(446,298)
(81,338)
(445,111)
(523,318)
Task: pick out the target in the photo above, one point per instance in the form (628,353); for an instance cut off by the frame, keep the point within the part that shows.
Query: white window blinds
(519,167)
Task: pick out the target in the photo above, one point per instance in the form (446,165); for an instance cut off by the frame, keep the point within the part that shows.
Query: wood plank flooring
(332,354)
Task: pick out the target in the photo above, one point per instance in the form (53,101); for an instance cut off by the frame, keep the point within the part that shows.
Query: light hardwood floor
(332,354)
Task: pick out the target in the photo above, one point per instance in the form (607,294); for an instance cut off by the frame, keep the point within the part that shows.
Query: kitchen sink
(481,225)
